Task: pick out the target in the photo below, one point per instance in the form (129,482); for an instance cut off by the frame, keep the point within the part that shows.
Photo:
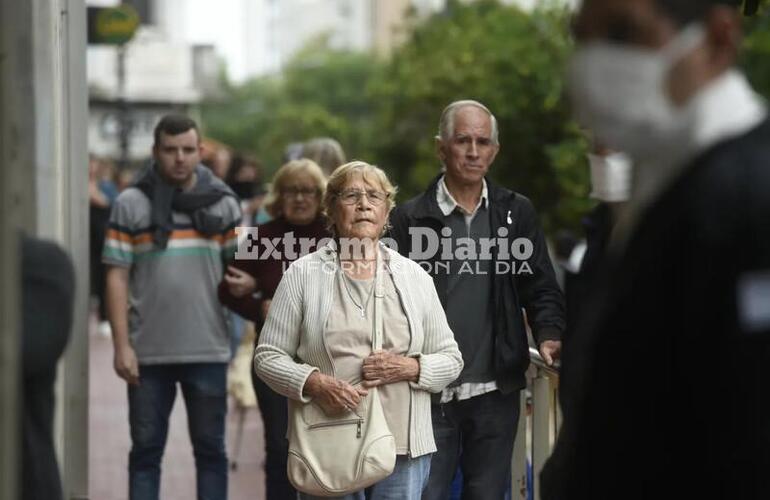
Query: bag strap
(379,295)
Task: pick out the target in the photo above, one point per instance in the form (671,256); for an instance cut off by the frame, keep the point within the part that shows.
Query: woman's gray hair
(371,174)
(446,125)
(326,152)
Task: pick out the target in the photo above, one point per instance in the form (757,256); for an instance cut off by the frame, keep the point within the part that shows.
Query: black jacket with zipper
(538,293)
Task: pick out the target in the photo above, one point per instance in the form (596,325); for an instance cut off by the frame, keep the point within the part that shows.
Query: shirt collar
(447,203)
(725,109)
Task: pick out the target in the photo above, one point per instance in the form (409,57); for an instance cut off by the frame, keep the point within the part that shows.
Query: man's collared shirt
(447,204)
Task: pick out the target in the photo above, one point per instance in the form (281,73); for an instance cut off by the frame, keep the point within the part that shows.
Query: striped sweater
(291,346)
(174,312)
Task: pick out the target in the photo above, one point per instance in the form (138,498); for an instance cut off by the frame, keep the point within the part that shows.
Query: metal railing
(539,422)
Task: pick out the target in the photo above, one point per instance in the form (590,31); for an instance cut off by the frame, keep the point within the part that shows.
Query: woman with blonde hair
(317,344)
(294,202)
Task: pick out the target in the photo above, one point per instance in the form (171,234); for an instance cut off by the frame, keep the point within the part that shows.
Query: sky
(234,27)
(218,23)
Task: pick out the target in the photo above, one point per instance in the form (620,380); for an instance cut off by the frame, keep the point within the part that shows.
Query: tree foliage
(755,56)
(320,93)
(513,62)
(387,111)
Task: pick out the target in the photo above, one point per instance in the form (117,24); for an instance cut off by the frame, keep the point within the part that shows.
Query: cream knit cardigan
(291,345)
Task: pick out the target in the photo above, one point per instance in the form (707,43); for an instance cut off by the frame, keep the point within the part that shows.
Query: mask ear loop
(687,40)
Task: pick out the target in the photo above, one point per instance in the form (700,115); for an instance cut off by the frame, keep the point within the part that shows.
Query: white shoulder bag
(334,456)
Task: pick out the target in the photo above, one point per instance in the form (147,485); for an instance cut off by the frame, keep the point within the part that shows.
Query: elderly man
(671,389)
(486,252)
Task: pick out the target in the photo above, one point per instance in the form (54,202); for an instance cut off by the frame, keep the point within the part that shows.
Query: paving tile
(109,441)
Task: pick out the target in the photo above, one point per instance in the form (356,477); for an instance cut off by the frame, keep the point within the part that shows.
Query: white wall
(234,27)
(294,23)
(160,77)
(60,169)
(156,70)
(43,189)
(103,139)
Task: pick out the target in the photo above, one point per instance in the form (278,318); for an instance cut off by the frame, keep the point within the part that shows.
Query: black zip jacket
(538,293)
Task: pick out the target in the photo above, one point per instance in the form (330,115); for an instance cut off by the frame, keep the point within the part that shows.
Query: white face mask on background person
(610,177)
(619,92)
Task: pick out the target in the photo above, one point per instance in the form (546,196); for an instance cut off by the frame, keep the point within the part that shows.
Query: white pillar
(16,212)
(43,189)
(73,204)
(61,181)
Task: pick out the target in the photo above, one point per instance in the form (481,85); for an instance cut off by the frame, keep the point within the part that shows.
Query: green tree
(755,56)
(514,63)
(320,93)
(386,112)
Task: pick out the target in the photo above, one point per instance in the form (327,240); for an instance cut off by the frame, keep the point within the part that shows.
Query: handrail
(539,422)
(537,360)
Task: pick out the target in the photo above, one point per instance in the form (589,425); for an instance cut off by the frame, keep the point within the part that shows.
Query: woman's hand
(239,283)
(382,367)
(332,395)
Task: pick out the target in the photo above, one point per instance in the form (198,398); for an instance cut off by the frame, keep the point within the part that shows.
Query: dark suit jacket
(669,387)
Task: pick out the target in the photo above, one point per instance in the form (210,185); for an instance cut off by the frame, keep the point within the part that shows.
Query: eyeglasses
(353,196)
(295,192)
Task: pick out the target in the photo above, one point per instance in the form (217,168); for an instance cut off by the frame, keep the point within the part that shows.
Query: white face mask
(610,177)
(619,92)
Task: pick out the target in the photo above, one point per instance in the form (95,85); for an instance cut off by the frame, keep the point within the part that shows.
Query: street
(109,440)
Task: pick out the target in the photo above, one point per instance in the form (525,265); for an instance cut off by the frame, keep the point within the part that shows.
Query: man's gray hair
(446,125)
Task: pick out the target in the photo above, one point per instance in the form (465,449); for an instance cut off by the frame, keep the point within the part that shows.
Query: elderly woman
(316,345)
(294,202)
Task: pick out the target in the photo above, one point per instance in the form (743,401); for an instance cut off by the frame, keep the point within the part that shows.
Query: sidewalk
(109,441)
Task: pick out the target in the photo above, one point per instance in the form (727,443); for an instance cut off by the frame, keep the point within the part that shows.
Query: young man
(168,240)
(670,389)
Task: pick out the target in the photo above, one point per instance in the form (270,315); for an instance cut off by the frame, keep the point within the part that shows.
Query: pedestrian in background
(326,152)
(249,284)
(474,420)
(169,239)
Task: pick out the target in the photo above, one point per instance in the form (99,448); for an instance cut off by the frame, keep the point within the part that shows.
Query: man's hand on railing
(550,350)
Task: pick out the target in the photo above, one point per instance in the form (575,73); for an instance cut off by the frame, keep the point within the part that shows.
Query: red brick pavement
(109,441)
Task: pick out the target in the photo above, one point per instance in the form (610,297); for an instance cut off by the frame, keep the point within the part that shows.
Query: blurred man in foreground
(669,393)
